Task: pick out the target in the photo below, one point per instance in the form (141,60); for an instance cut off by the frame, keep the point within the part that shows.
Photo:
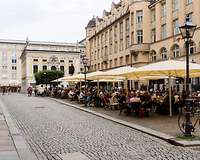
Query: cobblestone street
(52,128)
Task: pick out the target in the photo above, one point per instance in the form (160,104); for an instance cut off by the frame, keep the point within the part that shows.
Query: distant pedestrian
(3,91)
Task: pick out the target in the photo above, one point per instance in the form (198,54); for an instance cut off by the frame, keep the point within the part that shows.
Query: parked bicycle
(193,110)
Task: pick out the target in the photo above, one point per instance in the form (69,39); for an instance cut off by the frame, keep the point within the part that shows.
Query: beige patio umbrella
(171,68)
(99,75)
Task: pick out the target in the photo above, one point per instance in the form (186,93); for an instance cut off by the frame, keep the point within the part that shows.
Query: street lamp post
(85,64)
(45,73)
(187,32)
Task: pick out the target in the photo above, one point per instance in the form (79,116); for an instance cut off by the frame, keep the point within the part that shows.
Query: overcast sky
(48,20)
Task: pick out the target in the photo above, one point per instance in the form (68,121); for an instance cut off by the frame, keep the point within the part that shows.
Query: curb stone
(168,138)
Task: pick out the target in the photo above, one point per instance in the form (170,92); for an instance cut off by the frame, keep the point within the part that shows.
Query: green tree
(45,77)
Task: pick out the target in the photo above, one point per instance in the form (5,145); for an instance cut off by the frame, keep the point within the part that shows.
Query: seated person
(134,98)
(71,94)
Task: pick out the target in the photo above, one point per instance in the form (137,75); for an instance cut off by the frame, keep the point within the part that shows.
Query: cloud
(48,20)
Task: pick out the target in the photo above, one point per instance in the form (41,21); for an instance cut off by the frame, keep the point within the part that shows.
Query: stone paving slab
(9,155)
(12,139)
(163,136)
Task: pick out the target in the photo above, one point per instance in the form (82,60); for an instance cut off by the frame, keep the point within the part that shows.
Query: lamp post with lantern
(187,32)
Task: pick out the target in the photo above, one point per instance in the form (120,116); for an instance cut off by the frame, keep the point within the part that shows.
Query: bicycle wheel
(182,121)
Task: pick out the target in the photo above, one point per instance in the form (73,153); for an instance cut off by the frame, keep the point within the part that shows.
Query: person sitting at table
(164,108)
(135,103)
(114,100)
(146,103)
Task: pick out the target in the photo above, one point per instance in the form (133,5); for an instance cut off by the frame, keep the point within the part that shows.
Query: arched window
(163,53)
(192,48)
(176,51)
(14,58)
(53,68)
(153,57)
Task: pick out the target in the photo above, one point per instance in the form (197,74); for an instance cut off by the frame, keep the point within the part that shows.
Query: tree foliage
(44,77)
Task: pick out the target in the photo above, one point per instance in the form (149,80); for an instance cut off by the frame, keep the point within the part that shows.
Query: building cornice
(118,19)
(51,51)
(23,42)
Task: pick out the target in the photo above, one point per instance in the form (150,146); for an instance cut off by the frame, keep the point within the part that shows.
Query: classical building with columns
(20,60)
(138,32)
(39,56)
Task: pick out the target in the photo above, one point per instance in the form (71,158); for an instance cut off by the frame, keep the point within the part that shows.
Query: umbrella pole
(98,87)
(80,86)
(170,96)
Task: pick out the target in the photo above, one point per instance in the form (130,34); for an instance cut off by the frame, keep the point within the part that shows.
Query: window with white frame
(163,10)
(176,51)
(189,16)
(176,26)
(139,17)
(163,31)
(188,2)
(153,56)
(14,58)
(139,36)
(163,53)
(175,5)
(192,48)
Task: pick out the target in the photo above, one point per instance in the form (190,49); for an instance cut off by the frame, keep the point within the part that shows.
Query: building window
(44,60)
(14,58)
(163,10)
(188,2)
(192,48)
(44,68)
(153,15)
(53,68)
(176,26)
(110,64)
(176,51)
(174,5)
(153,56)
(163,53)
(14,67)
(121,61)
(62,68)
(153,35)
(139,36)
(139,17)
(163,31)
(14,61)
(127,33)
(190,16)
(35,60)
(127,59)
(35,68)
(121,36)
(115,62)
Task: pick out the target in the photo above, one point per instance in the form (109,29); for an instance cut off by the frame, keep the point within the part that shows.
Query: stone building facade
(19,61)
(10,63)
(39,56)
(138,32)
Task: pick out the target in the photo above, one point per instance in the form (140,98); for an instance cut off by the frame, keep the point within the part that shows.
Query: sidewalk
(163,127)
(7,147)
(12,144)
